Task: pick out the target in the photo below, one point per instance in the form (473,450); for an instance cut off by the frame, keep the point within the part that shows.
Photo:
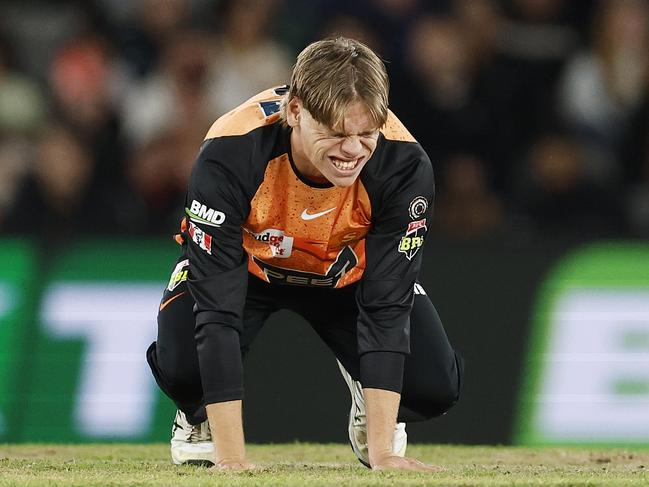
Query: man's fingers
(411,464)
(233,467)
(423,467)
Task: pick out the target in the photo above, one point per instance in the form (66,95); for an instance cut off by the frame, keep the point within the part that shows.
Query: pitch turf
(327,465)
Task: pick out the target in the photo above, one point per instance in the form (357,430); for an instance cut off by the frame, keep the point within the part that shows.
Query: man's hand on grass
(394,462)
(233,466)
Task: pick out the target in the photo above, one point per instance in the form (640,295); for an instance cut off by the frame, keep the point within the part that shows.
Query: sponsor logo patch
(413,240)
(345,261)
(200,238)
(200,213)
(281,245)
(178,275)
(417,207)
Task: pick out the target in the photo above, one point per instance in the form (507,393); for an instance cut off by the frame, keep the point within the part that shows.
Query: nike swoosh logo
(306,216)
(164,305)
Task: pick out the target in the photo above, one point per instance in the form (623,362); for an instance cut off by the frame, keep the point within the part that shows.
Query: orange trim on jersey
(276,233)
(395,130)
(246,117)
(164,304)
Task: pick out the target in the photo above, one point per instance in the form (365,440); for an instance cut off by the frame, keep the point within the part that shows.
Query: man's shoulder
(398,153)
(259,111)
(394,130)
(399,162)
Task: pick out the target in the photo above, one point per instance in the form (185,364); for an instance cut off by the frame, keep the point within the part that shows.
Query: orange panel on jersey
(293,228)
(395,130)
(246,117)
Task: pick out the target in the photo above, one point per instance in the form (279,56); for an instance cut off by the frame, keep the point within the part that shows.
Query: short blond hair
(332,73)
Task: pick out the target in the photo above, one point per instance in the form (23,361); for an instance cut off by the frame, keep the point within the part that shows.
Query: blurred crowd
(534,112)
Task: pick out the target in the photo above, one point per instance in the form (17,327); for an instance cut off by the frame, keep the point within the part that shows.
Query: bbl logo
(178,275)
(417,207)
(413,240)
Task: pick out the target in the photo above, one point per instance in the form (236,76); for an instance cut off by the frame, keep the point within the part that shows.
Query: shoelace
(198,433)
(359,417)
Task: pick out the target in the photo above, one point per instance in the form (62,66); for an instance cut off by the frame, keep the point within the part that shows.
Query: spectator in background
(466,207)
(602,86)
(14,160)
(248,59)
(56,200)
(345,25)
(482,22)
(81,81)
(38,28)
(438,97)
(364,19)
(558,198)
(22,112)
(22,104)
(176,94)
(535,37)
(163,122)
(158,174)
(143,41)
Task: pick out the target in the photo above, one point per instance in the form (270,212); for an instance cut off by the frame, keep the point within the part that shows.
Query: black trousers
(432,372)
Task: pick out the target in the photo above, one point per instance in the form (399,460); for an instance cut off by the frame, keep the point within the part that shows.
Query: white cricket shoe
(191,444)
(358,423)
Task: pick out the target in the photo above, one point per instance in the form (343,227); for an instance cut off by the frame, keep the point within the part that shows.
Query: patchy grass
(301,464)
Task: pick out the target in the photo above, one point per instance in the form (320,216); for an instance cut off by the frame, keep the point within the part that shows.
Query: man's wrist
(226,425)
(381,407)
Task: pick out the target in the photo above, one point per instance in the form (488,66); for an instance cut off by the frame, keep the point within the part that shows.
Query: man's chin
(343,181)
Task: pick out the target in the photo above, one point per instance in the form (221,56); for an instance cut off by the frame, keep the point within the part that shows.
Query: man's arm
(227,432)
(402,211)
(217,204)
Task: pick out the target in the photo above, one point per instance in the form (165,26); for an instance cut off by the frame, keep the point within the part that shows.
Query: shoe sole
(197,463)
(192,458)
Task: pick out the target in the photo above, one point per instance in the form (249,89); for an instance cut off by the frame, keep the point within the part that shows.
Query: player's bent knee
(175,381)
(439,396)
(440,402)
(449,394)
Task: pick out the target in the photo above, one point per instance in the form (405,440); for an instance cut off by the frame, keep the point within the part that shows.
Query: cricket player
(311,197)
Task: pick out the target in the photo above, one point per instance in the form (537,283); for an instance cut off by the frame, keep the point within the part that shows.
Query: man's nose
(351,145)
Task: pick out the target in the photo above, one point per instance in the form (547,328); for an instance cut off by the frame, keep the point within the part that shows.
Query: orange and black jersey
(250,211)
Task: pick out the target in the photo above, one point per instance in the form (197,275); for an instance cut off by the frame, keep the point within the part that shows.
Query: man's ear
(293,109)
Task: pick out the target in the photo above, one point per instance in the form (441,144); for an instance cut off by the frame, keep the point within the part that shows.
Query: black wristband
(219,359)
(382,370)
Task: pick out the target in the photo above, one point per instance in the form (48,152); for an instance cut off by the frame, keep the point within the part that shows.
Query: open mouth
(342,165)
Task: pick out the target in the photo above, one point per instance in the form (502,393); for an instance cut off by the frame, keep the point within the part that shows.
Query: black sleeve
(217,204)
(393,248)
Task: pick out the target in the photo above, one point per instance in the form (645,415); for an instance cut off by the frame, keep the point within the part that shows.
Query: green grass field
(327,465)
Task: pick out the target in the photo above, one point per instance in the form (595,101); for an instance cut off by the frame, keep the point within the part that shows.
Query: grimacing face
(338,153)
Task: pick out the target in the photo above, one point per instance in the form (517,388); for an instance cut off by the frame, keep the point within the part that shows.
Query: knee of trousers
(439,403)
(176,382)
(440,396)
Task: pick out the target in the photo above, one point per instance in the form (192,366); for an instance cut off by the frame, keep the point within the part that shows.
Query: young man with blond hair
(311,197)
